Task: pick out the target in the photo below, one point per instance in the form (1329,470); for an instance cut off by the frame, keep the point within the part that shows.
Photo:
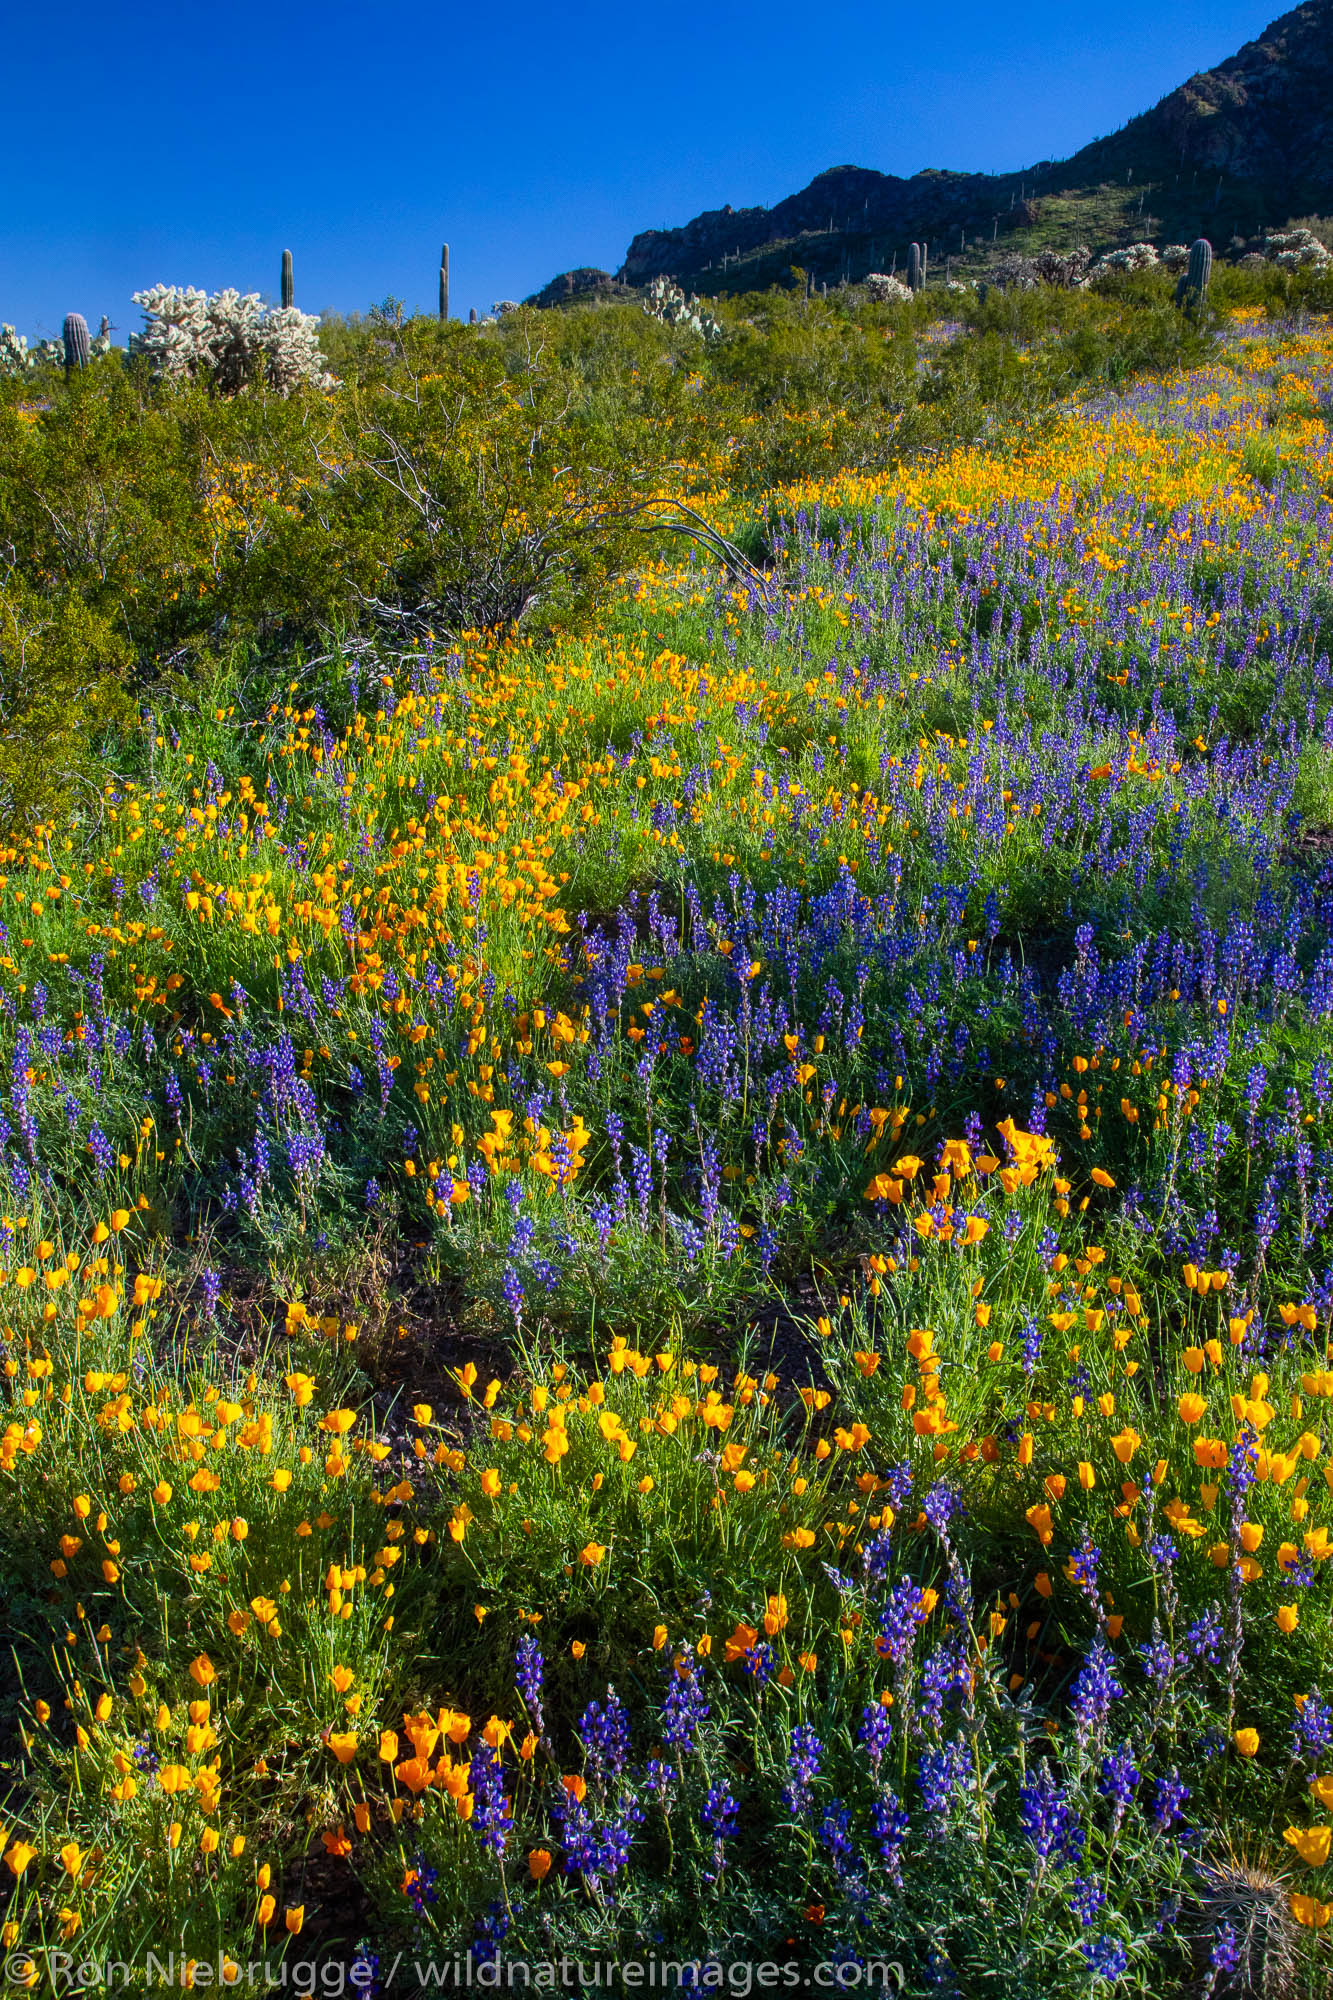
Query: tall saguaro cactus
(1195,279)
(916,266)
(288,283)
(77,346)
(444,282)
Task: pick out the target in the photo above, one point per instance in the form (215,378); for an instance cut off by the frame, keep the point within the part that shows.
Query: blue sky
(190,144)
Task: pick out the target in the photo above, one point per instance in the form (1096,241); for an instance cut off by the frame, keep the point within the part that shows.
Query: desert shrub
(155,506)
(62,699)
(474,493)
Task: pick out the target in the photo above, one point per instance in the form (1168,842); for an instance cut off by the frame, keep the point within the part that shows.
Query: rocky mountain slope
(1244,146)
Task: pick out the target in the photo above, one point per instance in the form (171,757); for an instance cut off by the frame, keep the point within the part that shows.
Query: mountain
(1242,147)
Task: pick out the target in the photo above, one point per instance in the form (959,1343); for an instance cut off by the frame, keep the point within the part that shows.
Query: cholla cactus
(175,335)
(1137,257)
(101,340)
(290,343)
(49,354)
(1296,250)
(666,301)
(1175,257)
(1066,269)
(1014,272)
(885,290)
(14,356)
(228,340)
(503,306)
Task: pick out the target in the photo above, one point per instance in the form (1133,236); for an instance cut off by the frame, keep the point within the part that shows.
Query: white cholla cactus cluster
(1137,257)
(1175,257)
(228,339)
(885,290)
(666,301)
(1297,250)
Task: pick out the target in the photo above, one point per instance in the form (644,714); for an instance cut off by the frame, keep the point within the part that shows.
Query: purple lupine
(492,1810)
(1106,1958)
(804,1762)
(939,1774)
(1169,1796)
(1118,1780)
(684,1710)
(875,1732)
(597,1848)
(944,1673)
(899,1621)
(1202,1640)
(530,1677)
(835,1837)
(1047,1818)
(1083,1562)
(1313,1731)
(890,1826)
(940,1506)
(1094,1691)
(604,1733)
(720,1814)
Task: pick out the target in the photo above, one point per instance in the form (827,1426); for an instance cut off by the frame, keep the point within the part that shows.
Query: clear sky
(190,143)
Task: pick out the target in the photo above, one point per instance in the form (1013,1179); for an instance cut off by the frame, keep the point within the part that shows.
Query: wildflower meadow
(665,1275)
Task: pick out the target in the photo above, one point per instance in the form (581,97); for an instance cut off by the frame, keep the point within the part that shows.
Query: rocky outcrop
(843,201)
(1262,120)
(586,282)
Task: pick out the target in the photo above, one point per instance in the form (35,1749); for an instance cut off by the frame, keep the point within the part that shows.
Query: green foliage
(62,695)
(467,477)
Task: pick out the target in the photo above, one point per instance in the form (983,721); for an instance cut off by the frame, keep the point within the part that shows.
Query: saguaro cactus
(916,266)
(1192,289)
(444,282)
(288,284)
(75,331)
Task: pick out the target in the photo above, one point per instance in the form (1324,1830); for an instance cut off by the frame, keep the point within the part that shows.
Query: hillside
(1233,149)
